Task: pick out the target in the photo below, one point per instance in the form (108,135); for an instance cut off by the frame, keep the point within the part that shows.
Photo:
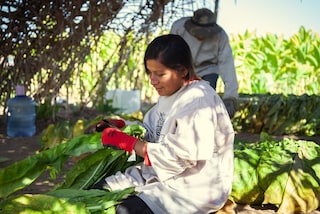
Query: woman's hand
(115,137)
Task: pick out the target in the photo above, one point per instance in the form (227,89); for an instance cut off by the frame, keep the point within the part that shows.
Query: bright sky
(273,16)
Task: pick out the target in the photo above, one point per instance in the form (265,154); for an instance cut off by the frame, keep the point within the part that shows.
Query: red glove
(115,137)
(117,123)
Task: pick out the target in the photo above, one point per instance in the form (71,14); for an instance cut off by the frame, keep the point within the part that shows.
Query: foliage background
(79,50)
(44,44)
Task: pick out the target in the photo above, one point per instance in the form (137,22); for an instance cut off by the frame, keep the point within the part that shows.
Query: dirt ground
(15,149)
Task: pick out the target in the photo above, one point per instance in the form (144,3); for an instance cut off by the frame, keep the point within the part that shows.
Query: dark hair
(172,51)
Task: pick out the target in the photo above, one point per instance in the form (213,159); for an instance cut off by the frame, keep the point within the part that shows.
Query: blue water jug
(21,115)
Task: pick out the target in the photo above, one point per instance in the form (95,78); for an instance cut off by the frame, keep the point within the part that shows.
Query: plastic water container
(21,115)
(125,101)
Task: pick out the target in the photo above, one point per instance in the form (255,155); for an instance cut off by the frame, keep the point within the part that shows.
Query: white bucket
(125,101)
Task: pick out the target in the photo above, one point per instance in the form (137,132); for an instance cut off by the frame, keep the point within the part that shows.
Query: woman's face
(165,80)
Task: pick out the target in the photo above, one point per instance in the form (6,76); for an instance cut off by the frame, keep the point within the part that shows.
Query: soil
(15,149)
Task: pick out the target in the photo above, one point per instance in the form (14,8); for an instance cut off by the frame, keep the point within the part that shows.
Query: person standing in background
(211,52)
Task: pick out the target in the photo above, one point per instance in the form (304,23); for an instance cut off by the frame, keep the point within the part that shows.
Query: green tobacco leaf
(76,195)
(135,130)
(273,173)
(22,173)
(84,144)
(300,183)
(95,200)
(38,203)
(313,61)
(108,200)
(245,188)
(317,55)
(288,174)
(301,192)
(19,175)
(90,168)
(107,161)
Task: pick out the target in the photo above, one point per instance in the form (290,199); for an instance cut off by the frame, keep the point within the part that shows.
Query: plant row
(283,173)
(278,114)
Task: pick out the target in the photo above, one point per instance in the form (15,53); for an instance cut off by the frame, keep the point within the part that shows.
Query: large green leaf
(298,187)
(245,185)
(94,199)
(65,201)
(94,167)
(284,173)
(22,173)
(32,204)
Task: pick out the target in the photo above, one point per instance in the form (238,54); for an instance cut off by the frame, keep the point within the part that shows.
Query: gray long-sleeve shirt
(212,55)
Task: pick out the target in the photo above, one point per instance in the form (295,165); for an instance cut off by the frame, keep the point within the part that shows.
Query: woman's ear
(184,72)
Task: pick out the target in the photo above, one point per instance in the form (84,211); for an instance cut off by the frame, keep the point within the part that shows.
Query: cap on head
(202,23)
(204,17)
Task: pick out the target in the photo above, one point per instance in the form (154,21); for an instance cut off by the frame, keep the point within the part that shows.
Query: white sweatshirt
(191,157)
